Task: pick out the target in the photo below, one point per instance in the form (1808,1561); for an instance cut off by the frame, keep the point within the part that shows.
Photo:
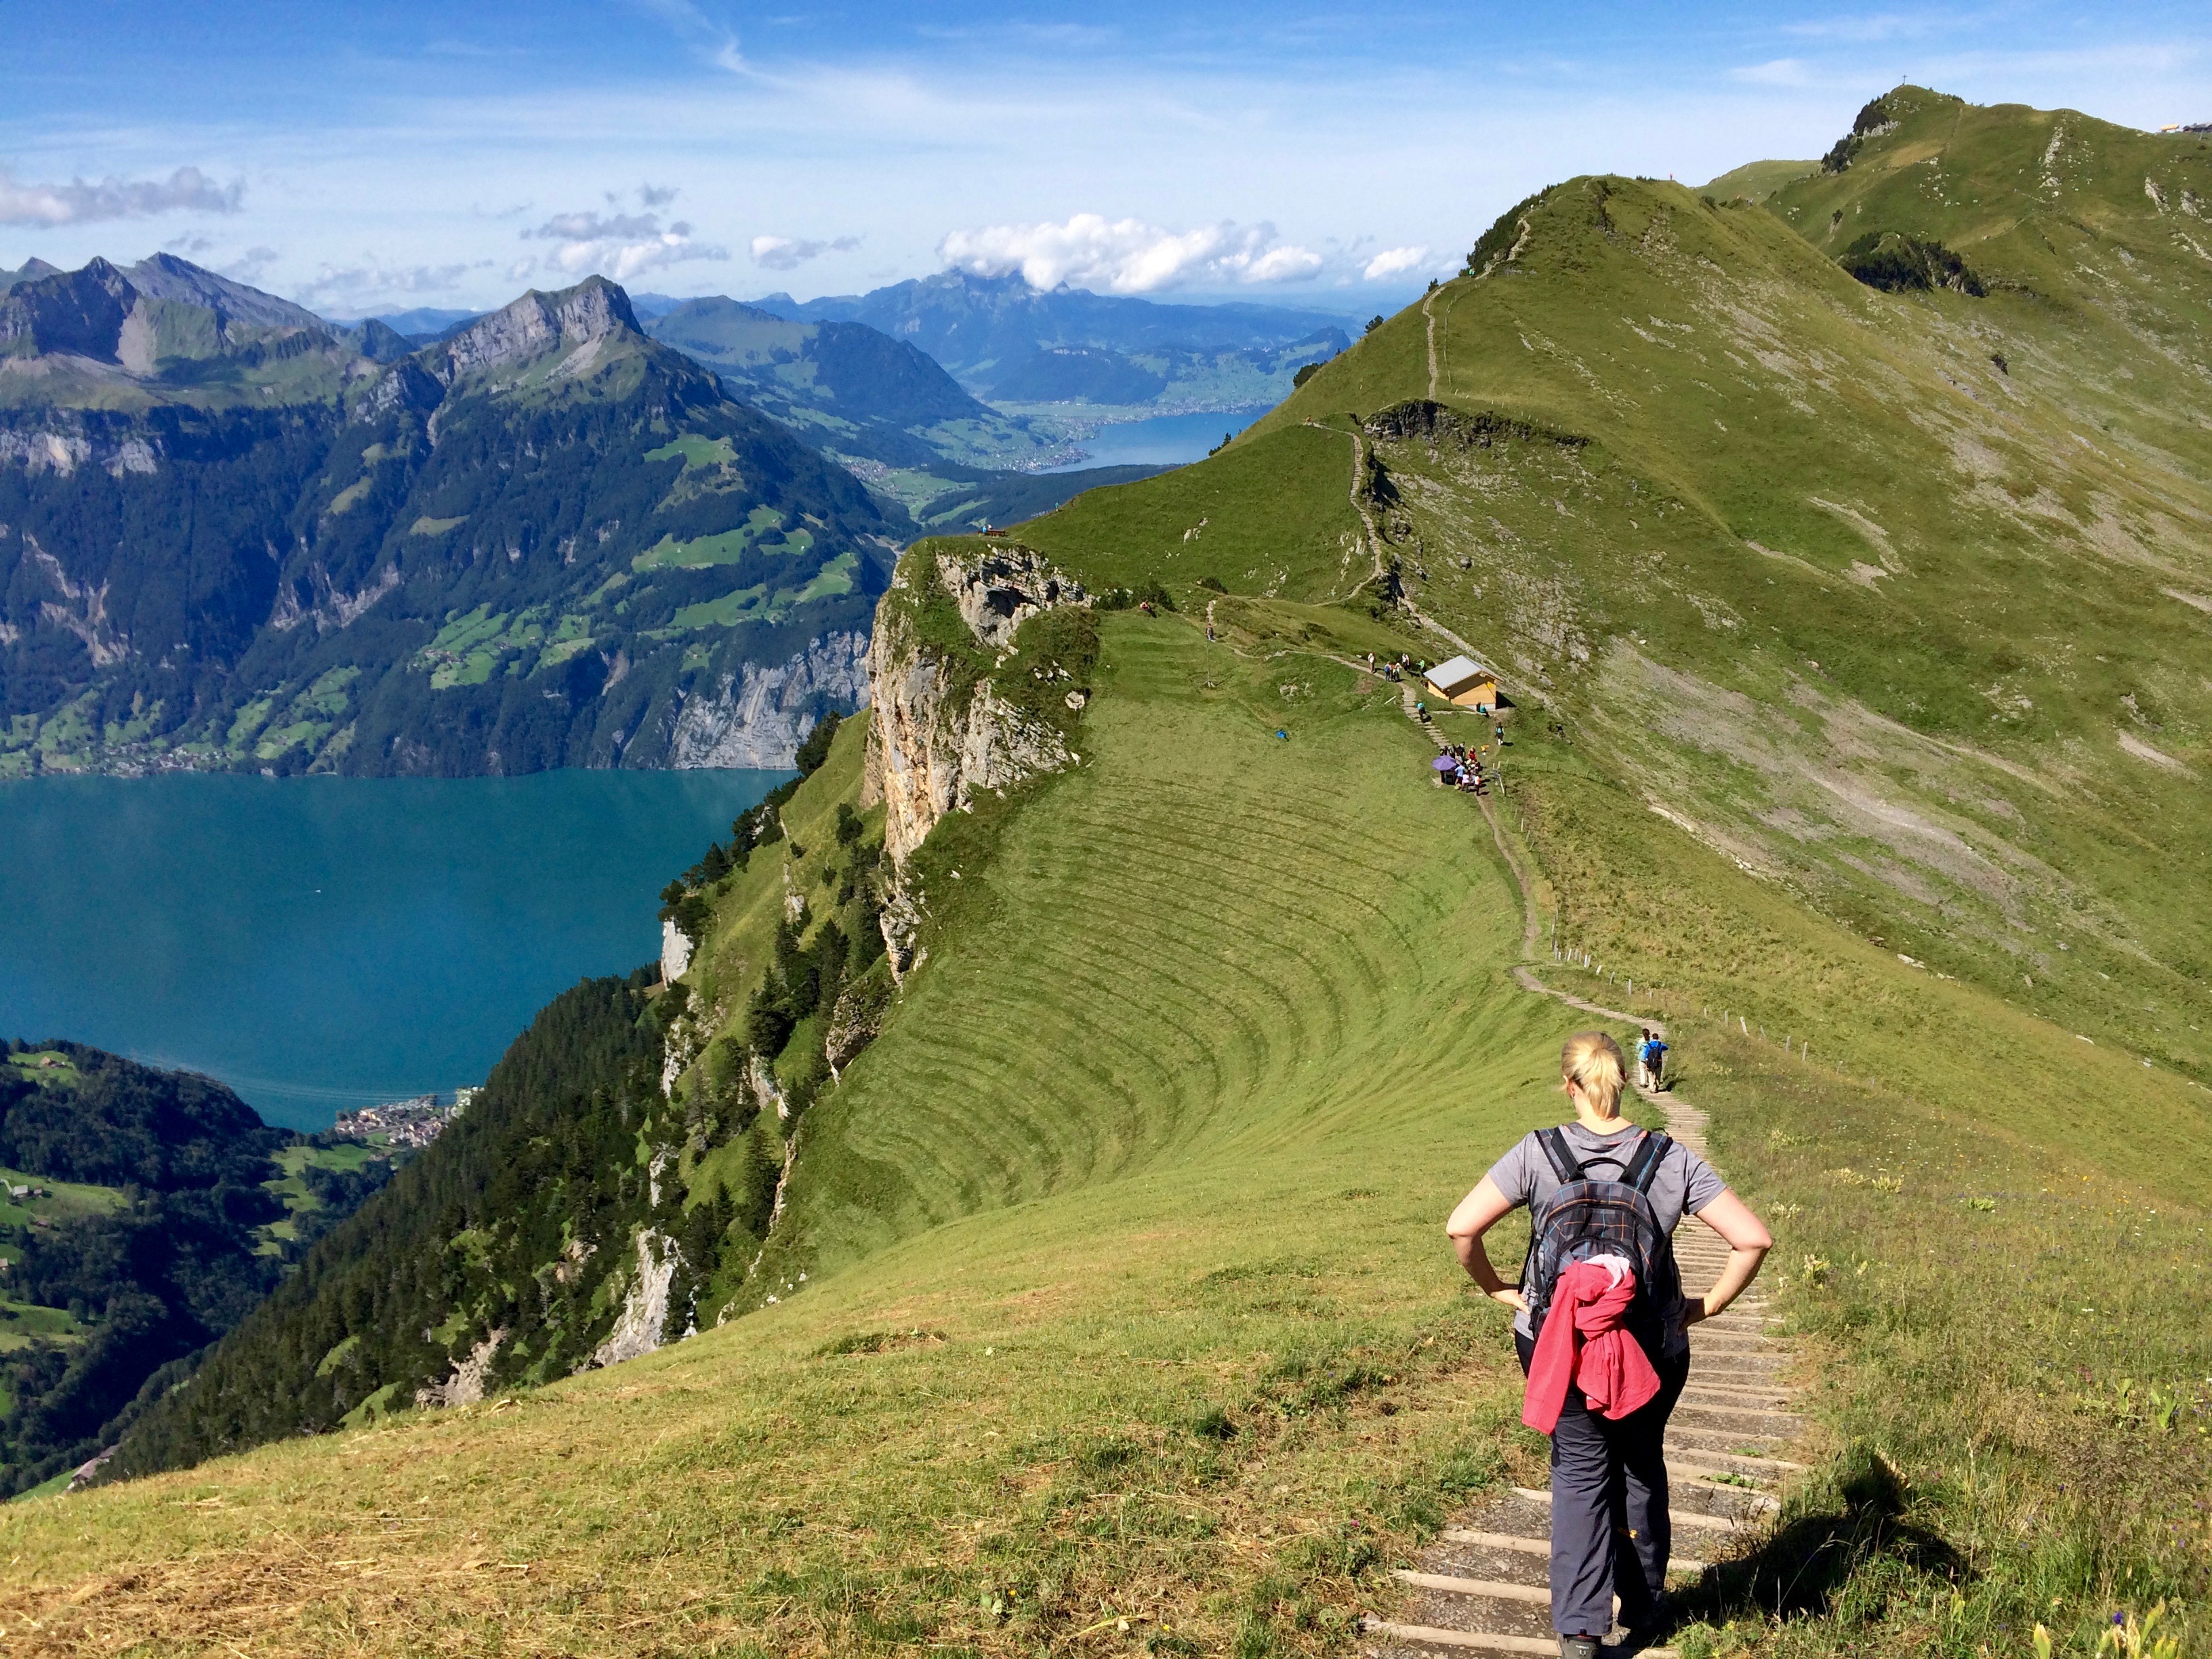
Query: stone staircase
(1483,1586)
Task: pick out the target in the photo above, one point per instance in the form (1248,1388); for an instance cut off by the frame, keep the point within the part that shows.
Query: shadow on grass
(1851,1526)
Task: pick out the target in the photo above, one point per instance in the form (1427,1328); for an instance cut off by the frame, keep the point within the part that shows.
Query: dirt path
(1382,565)
(1483,1586)
(1429,317)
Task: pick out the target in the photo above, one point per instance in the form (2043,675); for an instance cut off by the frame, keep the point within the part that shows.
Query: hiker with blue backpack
(1602,1329)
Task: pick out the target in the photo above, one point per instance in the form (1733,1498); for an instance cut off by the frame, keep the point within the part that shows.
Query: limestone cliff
(759,716)
(944,728)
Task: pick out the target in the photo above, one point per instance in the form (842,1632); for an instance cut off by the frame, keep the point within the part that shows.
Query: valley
(1006,1219)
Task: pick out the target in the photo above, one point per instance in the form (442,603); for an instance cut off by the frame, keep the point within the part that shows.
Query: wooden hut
(1464,683)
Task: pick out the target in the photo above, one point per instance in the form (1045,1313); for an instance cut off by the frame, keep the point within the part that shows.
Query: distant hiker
(1601,1330)
(1655,1060)
(1644,1059)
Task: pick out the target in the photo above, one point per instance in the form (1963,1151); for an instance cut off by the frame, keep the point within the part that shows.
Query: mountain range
(233,537)
(235,534)
(1019,345)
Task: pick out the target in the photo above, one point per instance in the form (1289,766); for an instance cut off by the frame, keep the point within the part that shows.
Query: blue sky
(372,157)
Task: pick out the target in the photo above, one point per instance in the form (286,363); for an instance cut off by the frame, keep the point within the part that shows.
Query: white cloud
(186,190)
(712,42)
(1776,72)
(1127,256)
(249,266)
(621,246)
(1394,262)
(349,286)
(789,253)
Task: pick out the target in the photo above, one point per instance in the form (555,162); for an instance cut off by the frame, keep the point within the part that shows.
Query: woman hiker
(1608,1349)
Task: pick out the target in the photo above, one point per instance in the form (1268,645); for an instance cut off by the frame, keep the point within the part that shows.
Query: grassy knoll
(1191,1356)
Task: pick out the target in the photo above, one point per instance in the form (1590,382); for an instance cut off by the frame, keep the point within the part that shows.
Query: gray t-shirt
(1683,1184)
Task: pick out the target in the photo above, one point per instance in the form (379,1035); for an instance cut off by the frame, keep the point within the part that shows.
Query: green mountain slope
(545,541)
(145,1213)
(1915,634)
(1856,693)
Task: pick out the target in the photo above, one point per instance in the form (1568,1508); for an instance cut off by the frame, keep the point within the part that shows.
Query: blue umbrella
(1444,763)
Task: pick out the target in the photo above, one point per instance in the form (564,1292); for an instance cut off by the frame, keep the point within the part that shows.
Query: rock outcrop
(759,716)
(536,323)
(466,1385)
(675,951)
(645,1306)
(941,731)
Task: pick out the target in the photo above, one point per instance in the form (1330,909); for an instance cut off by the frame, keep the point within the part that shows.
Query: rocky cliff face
(536,323)
(759,715)
(942,731)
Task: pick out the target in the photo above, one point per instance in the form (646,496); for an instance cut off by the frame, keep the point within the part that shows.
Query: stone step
(1697,1414)
(1517,1544)
(1694,1437)
(1534,1594)
(1722,1523)
(1522,1610)
(1733,1405)
(1691,1485)
(1771,1467)
(1777,1392)
(1729,1366)
(1484,1642)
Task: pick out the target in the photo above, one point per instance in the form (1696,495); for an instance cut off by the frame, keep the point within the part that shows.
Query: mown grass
(1154,1324)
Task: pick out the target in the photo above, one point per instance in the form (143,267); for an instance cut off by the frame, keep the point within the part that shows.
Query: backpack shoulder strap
(1645,1166)
(1563,1162)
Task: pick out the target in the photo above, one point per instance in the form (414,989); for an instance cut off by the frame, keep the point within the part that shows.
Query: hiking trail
(1483,1586)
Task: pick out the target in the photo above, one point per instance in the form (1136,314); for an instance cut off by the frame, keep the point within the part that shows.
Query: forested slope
(144,1215)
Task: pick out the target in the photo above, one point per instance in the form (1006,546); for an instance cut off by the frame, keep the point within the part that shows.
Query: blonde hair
(1592,1059)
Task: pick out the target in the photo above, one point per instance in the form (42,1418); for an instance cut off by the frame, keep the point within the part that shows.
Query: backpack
(1588,1216)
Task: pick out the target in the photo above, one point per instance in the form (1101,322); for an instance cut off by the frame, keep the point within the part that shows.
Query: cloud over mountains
(79,201)
(789,253)
(618,244)
(1128,256)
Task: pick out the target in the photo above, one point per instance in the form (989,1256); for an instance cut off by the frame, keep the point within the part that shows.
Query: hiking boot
(1579,1646)
(1654,1619)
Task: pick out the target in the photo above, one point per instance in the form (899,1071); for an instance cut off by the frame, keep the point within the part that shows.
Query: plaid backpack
(1586,1217)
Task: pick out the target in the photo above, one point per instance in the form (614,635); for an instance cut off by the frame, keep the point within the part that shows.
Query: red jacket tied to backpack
(1584,1343)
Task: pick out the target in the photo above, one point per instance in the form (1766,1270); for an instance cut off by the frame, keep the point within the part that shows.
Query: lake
(321,944)
(1162,440)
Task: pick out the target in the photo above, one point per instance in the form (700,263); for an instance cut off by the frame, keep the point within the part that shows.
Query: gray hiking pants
(1610,1529)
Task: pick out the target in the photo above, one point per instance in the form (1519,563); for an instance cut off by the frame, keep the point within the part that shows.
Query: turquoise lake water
(1164,440)
(324,943)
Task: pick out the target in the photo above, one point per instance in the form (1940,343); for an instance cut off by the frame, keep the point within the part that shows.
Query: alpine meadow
(1007,1221)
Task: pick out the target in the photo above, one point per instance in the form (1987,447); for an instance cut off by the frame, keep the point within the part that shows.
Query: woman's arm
(1748,1241)
(1477,1212)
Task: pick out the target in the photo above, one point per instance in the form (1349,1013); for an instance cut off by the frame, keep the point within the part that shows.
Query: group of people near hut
(1465,773)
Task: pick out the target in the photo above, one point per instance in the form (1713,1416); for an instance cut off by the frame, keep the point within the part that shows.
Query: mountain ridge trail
(1484,1585)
